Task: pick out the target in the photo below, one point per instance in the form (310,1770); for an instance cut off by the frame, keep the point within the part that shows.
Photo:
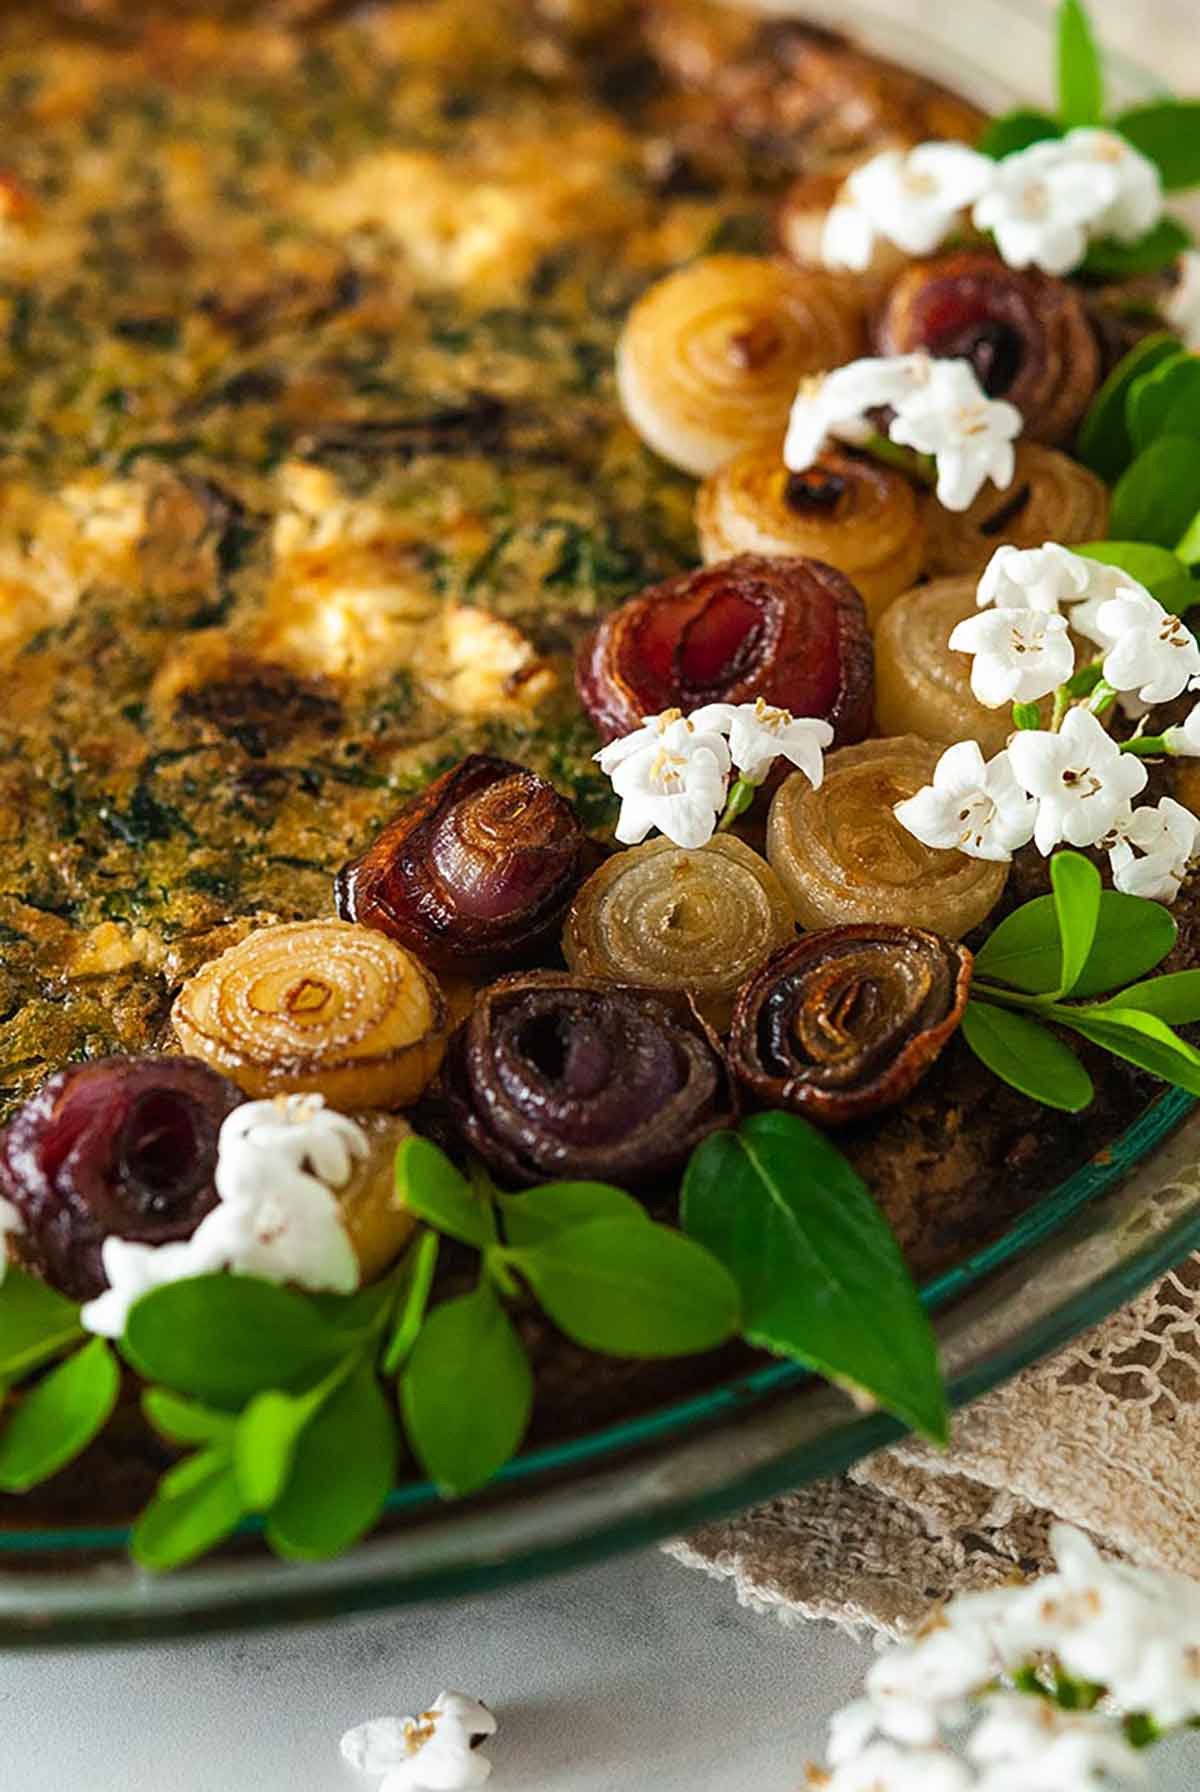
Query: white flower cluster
(1132,1633)
(935,406)
(1071,785)
(10,1225)
(1043,205)
(277,1165)
(673,772)
(435,1752)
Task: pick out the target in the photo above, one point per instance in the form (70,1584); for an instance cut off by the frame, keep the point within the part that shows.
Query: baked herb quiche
(598,774)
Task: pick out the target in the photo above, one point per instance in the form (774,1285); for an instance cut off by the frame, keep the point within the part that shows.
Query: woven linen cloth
(1105,1435)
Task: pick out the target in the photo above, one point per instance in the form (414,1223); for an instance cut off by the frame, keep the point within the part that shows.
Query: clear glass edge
(775,1428)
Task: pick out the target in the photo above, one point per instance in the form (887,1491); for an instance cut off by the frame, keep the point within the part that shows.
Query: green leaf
(821,1276)
(1157,497)
(1110,259)
(1026,715)
(1132,936)
(1158,569)
(1024,951)
(631,1288)
(1142,1039)
(1080,72)
(430,1186)
(1014,131)
(1076,886)
(223,1338)
(1104,444)
(420,1266)
(190,1514)
(1188,550)
(36,1324)
(1165,401)
(1174,998)
(343,1470)
(56,1420)
(538,1212)
(186,1421)
(1024,1053)
(265,1441)
(467,1391)
(1168,131)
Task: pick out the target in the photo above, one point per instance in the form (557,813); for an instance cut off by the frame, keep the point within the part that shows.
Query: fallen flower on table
(437,1751)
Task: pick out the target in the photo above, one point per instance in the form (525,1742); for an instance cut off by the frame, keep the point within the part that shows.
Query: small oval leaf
(1028,1056)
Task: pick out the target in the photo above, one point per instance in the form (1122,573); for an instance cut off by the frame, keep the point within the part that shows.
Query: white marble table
(639,1676)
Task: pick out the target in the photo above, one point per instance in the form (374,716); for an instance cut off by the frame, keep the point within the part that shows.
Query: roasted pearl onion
(317,1005)
(710,358)
(1051,498)
(848,1020)
(861,517)
(669,919)
(842,856)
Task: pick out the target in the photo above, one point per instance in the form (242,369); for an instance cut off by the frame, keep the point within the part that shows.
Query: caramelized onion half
(848,1020)
(557,1075)
(669,919)
(123,1147)
(1026,334)
(317,1005)
(793,632)
(842,856)
(921,687)
(849,511)
(710,358)
(1051,498)
(475,872)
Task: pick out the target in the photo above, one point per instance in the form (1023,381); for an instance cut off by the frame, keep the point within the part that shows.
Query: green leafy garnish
(1077,889)
(531,1217)
(1165,401)
(221,1339)
(58,1417)
(1163,573)
(341,1474)
(1159,494)
(467,1391)
(1110,259)
(36,1325)
(820,1274)
(430,1186)
(1079,68)
(1104,443)
(1015,131)
(196,1507)
(1027,1055)
(1168,132)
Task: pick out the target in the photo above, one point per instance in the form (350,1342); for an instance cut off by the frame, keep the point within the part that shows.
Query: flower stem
(1146,746)
(1062,703)
(741,794)
(1102,698)
(921,467)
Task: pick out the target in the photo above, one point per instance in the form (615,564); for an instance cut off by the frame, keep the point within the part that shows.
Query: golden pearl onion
(663,918)
(710,358)
(842,856)
(921,687)
(845,509)
(378,1223)
(317,1005)
(1051,498)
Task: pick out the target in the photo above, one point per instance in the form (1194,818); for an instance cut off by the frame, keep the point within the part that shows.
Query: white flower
(429,1753)
(1020,655)
(1183,304)
(1041,204)
(11,1224)
(1029,1745)
(674,779)
(298,1131)
(132,1270)
(1137,204)
(951,417)
(837,403)
(759,733)
(1080,777)
(912,198)
(975,806)
(1167,836)
(886,1767)
(1042,578)
(1150,651)
(1184,740)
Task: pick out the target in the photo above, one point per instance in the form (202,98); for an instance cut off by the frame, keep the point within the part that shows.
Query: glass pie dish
(1075,1256)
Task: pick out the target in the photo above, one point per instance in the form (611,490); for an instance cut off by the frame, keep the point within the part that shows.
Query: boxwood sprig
(1077,962)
